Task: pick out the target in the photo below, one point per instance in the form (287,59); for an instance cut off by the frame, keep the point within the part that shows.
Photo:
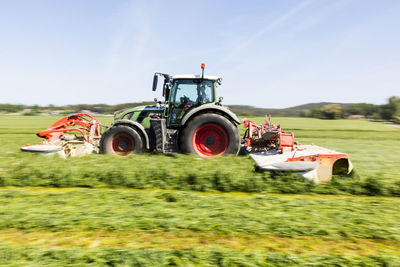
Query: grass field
(156,210)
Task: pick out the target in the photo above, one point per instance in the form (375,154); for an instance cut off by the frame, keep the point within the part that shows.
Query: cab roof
(191,76)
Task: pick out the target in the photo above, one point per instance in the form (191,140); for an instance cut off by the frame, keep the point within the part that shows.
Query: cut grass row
(192,240)
(169,211)
(37,256)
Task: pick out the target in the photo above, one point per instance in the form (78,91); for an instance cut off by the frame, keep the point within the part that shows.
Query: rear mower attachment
(275,150)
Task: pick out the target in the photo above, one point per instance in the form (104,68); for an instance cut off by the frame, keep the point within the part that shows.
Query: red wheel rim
(210,140)
(122,144)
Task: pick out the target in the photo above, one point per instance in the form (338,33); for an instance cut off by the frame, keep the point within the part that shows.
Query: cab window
(191,92)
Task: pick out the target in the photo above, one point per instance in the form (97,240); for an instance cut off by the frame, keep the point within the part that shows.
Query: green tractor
(191,119)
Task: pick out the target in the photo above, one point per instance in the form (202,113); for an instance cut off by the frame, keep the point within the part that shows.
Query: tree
(304,113)
(332,111)
(315,113)
(396,101)
(354,109)
(368,109)
(388,111)
(361,109)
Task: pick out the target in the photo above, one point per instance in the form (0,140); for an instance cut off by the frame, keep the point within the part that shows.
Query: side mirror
(155,81)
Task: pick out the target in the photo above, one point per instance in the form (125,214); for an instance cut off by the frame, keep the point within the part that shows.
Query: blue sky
(270,53)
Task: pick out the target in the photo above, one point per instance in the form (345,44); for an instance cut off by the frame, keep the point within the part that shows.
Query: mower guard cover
(314,162)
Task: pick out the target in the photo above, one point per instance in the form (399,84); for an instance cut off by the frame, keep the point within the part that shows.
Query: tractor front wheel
(210,135)
(121,140)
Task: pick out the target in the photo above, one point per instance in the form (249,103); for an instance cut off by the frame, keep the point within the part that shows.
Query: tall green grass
(372,147)
(181,172)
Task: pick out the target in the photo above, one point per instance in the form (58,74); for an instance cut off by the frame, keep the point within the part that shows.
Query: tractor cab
(188,92)
(182,93)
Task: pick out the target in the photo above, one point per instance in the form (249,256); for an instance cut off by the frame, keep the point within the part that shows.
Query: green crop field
(156,210)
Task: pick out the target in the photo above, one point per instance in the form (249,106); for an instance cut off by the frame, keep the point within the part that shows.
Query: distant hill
(295,111)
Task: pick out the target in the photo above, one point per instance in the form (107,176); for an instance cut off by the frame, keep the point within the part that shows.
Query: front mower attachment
(59,140)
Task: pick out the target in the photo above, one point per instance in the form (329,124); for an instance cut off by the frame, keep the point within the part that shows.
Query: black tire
(121,140)
(210,135)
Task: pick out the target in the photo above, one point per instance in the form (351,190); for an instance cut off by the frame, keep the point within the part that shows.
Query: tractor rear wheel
(121,140)
(210,135)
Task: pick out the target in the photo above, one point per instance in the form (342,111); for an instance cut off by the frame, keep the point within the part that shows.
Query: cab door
(184,96)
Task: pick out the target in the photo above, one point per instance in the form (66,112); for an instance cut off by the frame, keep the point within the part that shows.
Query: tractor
(191,119)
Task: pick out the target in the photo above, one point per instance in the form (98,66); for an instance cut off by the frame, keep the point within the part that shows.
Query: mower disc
(41,148)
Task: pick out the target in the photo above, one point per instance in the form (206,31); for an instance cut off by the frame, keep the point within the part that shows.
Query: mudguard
(213,108)
(138,126)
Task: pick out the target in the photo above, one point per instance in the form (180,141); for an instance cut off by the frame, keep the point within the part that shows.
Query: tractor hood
(134,113)
(118,113)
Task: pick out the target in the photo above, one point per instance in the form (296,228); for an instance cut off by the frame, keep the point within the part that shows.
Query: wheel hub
(123,144)
(210,140)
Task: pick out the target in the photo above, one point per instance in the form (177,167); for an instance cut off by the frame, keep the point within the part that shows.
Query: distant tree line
(389,111)
(9,108)
(97,108)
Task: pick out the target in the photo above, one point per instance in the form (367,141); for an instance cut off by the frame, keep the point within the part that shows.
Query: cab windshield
(192,92)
